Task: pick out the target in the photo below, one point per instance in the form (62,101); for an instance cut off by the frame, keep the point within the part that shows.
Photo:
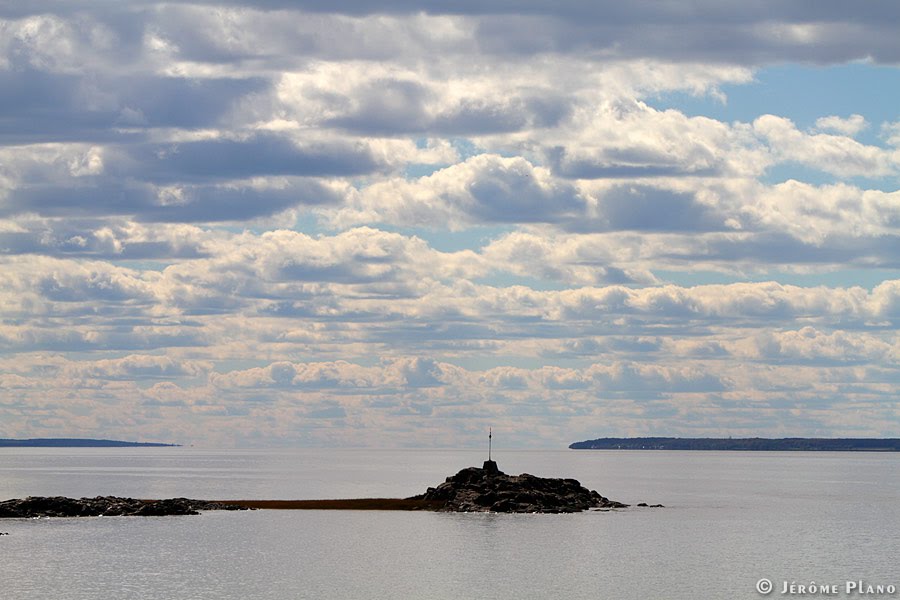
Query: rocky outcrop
(490,490)
(487,489)
(105,506)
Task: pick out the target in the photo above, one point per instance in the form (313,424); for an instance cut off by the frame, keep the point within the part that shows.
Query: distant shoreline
(78,443)
(743,444)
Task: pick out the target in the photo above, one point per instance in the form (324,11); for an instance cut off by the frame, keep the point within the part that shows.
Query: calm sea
(730,520)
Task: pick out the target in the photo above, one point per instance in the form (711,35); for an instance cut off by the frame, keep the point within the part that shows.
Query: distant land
(75,443)
(745,444)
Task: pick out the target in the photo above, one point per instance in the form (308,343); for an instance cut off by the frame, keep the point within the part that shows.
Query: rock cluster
(490,490)
(105,506)
(487,489)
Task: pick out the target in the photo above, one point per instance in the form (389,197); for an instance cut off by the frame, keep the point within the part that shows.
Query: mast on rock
(489,465)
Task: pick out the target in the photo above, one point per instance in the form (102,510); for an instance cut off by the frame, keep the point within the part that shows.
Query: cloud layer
(373,224)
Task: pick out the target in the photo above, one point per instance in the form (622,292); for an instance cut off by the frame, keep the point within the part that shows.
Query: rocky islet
(473,489)
(490,490)
(105,506)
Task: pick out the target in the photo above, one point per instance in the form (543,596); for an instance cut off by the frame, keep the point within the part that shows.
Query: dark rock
(490,490)
(490,467)
(105,506)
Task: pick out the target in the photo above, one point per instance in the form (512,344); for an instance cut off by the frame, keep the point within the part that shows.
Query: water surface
(731,519)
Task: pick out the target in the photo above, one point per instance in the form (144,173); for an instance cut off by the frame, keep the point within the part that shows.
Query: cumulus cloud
(372,100)
(835,154)
(483,189)
(573,260)
(111,239)
(849,126)
(358,256)
(134,366)
(624,138)
(811,346)
(489,189)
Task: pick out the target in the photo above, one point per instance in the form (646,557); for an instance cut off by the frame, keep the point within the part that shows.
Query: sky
(395,224)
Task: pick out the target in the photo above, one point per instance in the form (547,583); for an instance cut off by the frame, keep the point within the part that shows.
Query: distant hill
(748,444)
(75,443)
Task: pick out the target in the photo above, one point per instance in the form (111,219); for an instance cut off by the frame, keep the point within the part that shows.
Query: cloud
(891,131)
(835,154)
(74,180)
(625,138)
(735,302)
(362,255)
(729,226)
(238,201)
(97,282)
(377,223)
(885,300)
(850,126)
(365,290)
(811,346)
(417,373)
(483,189)
(39,106)
(371,100)
(109,239)
(320,399)
(340,375)
(488,189)
(262,155)
(712,31)
(134,366)
(56,334)
(559,258)
(285,374)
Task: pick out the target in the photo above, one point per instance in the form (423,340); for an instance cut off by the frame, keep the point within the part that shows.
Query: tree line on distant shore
(74,443)
(749,444)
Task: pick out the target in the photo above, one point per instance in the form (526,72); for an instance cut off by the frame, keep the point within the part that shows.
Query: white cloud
(837,154)
(484,189)
(813,346)
(135,366)
(624,138)
(578,260)
(849,126)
